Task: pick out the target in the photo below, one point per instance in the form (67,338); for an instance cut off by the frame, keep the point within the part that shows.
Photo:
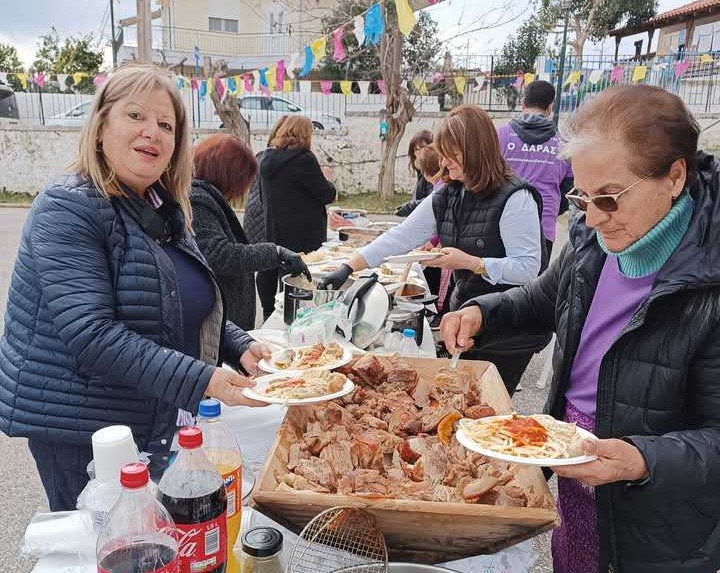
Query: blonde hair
(295,131)
(90,160)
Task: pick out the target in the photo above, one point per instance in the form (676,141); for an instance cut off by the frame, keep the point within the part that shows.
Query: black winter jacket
(423,188)
(223,243)
(92,320)
(295,192)
(254,218)
(658,388)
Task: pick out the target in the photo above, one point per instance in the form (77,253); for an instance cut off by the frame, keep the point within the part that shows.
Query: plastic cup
(113,447)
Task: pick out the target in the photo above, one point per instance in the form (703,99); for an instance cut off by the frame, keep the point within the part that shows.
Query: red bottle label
(202,546)
(172,567)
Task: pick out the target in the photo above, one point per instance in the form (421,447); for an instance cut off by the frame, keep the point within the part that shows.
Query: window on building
(223,25)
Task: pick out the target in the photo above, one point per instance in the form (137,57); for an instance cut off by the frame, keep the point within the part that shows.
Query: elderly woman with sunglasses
(634,299)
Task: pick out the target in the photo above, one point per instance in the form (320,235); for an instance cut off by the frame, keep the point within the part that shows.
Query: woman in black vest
(489,227)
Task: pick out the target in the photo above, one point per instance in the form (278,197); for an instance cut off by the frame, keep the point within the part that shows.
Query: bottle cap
(190,437)
(209,408)
(134,475)
(409,333)
(262,542)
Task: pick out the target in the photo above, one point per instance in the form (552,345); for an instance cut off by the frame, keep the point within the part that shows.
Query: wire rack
(340,539)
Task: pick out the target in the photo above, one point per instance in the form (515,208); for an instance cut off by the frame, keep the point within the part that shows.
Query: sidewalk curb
(16,205)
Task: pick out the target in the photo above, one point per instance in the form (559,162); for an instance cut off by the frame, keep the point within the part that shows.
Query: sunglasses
(607,203)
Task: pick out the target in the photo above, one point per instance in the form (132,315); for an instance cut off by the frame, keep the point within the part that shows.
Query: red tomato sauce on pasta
(526,431)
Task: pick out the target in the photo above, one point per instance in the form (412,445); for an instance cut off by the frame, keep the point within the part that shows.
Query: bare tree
(227,109)
(399,110)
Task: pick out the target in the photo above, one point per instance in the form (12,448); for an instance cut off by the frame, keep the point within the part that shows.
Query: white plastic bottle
(223,450)
(408,346)
(138,534)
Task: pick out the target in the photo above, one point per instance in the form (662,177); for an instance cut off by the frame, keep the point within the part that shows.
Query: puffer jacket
(92,320)
(658,388)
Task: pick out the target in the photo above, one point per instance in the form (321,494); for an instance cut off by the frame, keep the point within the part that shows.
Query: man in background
(530,146)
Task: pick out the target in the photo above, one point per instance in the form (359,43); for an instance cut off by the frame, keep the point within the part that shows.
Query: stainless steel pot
(297,295)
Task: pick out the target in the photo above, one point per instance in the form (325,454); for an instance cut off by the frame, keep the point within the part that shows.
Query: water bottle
(223,450)
(408,346)
(138,534)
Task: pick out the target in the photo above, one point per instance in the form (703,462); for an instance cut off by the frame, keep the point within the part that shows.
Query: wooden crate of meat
(379,449)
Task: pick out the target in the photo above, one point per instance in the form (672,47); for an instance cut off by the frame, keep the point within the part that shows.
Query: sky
(23,22)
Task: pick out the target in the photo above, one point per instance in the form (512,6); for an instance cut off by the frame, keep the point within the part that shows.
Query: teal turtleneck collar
(649,253)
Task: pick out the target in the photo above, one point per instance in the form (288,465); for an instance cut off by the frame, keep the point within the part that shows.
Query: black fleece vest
(471,222)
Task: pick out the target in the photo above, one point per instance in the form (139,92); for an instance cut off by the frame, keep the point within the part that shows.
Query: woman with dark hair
(635,303)
(488,224)
(296,189)
(224,169)
(422,188)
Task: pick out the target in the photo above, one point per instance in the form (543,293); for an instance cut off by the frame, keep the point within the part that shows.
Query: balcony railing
(219,43)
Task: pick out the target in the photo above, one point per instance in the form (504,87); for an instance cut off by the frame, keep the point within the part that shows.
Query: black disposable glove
(292,263)
(335,279)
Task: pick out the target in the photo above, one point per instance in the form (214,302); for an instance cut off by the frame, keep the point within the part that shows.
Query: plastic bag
(320,324)
(516,559)
(61,532)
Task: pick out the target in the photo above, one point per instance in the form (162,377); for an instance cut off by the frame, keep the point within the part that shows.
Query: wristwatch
(480,269)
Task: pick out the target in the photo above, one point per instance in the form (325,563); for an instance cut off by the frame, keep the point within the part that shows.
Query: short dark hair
(226,162)
(539,94)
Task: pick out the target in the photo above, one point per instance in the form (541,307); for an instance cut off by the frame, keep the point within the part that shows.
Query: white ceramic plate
(468,443)
(264,381)
(413,257)
(269,365)
(271,336)
(383,278)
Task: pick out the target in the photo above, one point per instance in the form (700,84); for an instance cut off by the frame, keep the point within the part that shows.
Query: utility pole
(144,31)
(561,71)
(112,34)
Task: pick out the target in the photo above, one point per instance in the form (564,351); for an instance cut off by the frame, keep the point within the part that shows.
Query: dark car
(8,105)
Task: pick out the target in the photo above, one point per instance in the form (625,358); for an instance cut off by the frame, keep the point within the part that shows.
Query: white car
(263,112)
(73,117)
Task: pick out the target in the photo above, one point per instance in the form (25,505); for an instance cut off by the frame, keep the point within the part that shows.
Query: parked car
(75,116)
(263,112)
(8,105)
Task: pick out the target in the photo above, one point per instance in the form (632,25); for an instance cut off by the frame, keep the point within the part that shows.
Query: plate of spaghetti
(321,356)
(537,440)
(307,387)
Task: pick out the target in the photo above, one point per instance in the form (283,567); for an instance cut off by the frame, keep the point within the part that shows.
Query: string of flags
(40,79)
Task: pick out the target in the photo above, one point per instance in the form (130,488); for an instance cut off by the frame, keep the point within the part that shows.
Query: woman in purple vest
(634,299)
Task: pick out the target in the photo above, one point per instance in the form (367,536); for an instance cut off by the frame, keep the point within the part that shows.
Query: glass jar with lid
(261,548)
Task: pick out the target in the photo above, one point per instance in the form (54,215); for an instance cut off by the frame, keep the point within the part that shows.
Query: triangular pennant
(519,81)
(203,88)
(220,88)
(406,16)
(381,86)
(180,82)
(706,59)
(263,78)
(62,81)
(479,83)
(232,85)
(460,82)
(271,77)
(681,68)
(288,86)
(39,79)
(77,77)
(194,84)
(99,80)
(374,25)
(346,87)
(294,59)
(280,72)
(210,85)
(639,74)
(617,74)
(247,83)
(318,48)
(3,77)
(364,89)
(326,87)
(529,78)
(359,31)
(595,76)
(339,53)
(22,77)
(256,80)
(420,86)
(309,62)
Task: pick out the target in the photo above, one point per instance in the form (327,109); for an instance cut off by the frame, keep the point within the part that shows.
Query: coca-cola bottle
(194,494)
(138,535)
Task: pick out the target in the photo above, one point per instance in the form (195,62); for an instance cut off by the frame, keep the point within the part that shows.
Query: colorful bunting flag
(39,79)
(406,16)
(374,25)
(681,68)
(271,77)
(203,88)
(479,83)
(294,59)
(280,73)
(309,61)
(326,87)
(519,81)
(210,85)
(706,59)
(232,85)
(359,31)
(319,47)
(247,83)
(263,78)
(420,86)
(220,88)
(77,77)
(364,89)
(460,82)
(618,74)
(529,78)
(180,82)
(287,86)
(595,76)
(99,80)
(194,84)
(256,80)
(23,79)
(381,86)
(639,73)
(62,81)
(573,78)
(3,77)
(346,87)
(339,53)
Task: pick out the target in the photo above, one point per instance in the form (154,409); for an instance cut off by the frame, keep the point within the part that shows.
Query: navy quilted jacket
(92,319)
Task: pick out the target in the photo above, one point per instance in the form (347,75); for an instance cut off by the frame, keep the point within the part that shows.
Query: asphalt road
(21,494)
